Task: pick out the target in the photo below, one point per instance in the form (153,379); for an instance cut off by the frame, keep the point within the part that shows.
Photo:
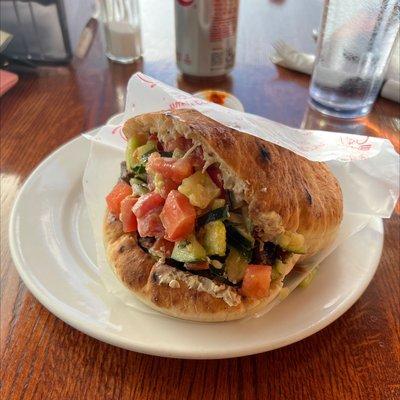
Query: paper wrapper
(366,167)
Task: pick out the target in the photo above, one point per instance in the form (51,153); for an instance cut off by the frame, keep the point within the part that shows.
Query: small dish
(220,97)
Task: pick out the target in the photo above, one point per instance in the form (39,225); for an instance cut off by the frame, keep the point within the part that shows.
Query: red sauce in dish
(216,97)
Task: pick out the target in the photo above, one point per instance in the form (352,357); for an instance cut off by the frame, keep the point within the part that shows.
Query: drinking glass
(354,46)
(121,22)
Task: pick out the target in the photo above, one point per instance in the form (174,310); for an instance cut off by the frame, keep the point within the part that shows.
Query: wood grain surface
(356,357)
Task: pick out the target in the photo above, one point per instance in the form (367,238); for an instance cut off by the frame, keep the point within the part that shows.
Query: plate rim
(118,341)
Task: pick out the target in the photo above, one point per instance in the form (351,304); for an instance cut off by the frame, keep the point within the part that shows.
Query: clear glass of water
(121,21)
(355,42)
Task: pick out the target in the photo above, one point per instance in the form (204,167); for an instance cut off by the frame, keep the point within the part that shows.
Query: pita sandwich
(205,222)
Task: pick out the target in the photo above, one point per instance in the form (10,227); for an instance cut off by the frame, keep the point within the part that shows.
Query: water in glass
(356,39)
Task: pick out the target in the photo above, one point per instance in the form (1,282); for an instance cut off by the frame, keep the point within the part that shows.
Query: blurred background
(103,42)
(260,24)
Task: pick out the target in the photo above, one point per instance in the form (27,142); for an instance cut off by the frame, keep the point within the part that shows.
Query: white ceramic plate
(52,246)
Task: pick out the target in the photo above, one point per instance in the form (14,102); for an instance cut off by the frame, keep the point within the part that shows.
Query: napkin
(366,167)
(288,57)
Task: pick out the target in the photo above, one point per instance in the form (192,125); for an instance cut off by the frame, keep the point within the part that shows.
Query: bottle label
(206,36)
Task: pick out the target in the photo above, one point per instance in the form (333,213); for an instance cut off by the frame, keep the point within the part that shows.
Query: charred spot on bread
(154,277)
(264,153)
(121,249)
(155,299)
(308,196)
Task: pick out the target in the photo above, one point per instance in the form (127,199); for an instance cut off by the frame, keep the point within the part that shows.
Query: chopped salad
(182,213)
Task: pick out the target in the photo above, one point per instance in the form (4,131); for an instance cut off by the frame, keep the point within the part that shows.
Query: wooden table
(43,358)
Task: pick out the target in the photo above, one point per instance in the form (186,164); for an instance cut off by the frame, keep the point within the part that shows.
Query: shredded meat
(264,253)
(267,253)
(125,174)
(146,243)
(281,254)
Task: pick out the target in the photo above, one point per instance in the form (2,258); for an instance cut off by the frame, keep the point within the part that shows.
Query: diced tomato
(180,143)
(178,216)
(197,266)
(150,224)
(169,185)
(256,281)
(117,194)
(197,158)
(181,169)
(153,137)
(128,218)
(163,247)
(216,175)
(147,203)
(175,169)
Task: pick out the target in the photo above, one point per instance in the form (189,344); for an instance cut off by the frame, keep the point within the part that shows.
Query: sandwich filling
(190,216)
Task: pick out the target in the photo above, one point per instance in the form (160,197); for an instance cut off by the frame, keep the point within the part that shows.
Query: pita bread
(284,192)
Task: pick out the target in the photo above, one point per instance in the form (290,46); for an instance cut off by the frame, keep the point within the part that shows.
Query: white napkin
(288,57)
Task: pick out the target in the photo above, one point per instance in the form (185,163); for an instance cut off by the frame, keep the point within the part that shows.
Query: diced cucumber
(235,266)
(139,169)
(283,240)
(139,159)
(275,274)
(213,215)
(145,157)
(235,203)
(217,203)
(199,189)
(189,250)
(213,236)
(235,218)
(307,280)
(134,142)
(138,186)
(246,237)
(240,239)
(142,153)
(178,153)
(280,267)
(246,219)
(291,241)
(166,154)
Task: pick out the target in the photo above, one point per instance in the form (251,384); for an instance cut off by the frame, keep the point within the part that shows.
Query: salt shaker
(121,21)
